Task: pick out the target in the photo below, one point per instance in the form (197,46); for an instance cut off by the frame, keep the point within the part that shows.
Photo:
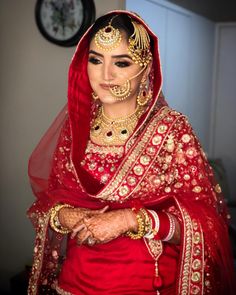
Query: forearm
(64,217)
(68,217)
(130,219)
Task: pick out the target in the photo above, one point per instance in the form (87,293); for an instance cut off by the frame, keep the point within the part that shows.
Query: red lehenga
(161,167)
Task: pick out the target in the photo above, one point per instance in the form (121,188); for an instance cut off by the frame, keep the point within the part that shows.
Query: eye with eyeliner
(94,60)
(122,64)
(119,63)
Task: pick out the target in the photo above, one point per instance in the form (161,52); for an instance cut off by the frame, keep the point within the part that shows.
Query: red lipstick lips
(106,86)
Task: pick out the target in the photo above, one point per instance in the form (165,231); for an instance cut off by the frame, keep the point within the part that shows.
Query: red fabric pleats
(122,266)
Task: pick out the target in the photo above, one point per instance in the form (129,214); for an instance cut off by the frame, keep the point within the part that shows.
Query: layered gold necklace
(107,131)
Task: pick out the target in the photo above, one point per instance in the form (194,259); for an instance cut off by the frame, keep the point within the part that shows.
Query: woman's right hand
(69,217)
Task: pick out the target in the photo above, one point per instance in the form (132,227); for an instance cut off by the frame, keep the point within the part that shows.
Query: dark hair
(120,21)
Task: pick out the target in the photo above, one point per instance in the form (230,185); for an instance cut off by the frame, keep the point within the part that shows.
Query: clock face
(64,21)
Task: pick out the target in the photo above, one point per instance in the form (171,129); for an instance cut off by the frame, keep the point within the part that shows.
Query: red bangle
(155,224)
(172,228)
(164,225)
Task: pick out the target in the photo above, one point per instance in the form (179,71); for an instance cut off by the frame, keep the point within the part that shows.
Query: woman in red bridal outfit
(121,178)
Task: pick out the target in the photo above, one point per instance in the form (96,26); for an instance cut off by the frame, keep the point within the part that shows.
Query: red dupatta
(159,157)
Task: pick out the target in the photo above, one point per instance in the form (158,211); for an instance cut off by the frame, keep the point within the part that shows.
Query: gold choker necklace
(107,131)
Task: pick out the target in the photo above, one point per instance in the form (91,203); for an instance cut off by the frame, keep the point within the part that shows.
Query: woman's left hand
(104,227)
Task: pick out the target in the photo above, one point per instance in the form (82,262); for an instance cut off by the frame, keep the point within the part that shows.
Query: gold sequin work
(102,161)
(218,189)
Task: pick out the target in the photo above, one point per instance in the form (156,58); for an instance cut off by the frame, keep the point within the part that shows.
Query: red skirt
(122,266)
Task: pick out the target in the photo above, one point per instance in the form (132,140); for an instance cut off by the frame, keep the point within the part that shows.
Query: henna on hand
(69,217)
(105,227)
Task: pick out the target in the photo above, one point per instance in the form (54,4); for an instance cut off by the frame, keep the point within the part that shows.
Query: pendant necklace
(108,131)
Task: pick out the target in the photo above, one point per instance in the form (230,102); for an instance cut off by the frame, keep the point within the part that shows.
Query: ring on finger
(90,241)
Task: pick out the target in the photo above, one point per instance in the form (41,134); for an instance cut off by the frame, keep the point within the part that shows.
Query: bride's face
(110,68)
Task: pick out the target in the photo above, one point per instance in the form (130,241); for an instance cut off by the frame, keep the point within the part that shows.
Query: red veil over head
(57,177)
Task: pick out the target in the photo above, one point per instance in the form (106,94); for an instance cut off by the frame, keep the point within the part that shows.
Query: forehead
(122,48)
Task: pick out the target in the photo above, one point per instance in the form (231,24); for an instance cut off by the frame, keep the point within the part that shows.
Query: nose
(108,74)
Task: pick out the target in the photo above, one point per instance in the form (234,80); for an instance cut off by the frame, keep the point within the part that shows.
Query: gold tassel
(139,45)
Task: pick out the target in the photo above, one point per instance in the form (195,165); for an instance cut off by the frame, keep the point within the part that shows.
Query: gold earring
(94,96)
(144,94)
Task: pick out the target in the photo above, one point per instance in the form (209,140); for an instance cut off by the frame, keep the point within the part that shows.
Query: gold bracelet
(54,220)
(141,228)
(147,221)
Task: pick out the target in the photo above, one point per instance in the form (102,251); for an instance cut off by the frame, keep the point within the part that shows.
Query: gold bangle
(54,220)
(141,228)
(147,221)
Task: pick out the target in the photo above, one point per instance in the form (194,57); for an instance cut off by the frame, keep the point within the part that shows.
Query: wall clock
(63,22)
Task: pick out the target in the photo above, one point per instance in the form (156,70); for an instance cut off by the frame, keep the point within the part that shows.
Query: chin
(108,99)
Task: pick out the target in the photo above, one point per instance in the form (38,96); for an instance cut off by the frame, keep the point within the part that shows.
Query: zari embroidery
(102,161)
(61,291)
(94,148)
(38,253)
(191,277)
(155,248)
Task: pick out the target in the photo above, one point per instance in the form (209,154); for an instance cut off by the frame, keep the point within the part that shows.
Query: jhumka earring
(94,96)
(145,93)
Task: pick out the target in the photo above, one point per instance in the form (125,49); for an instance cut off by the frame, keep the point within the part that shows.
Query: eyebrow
(113,56)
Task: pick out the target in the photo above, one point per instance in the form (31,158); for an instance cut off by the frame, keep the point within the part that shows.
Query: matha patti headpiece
(139,45)
(108,38)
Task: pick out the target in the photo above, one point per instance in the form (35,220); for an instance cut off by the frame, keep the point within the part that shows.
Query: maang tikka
(108,38)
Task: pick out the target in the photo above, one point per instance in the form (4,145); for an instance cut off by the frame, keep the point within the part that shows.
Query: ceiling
(215,10)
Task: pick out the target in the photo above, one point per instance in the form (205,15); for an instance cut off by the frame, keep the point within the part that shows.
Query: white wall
(187,48)
(33,86)
(223,139)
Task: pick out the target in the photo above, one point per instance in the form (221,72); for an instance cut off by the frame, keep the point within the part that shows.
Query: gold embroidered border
(191,275)
(185,270)
(197,278)
(159,146)
(203,262)
(61,291)
(38,254)
(131,157)
(155,247)
(94,148)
